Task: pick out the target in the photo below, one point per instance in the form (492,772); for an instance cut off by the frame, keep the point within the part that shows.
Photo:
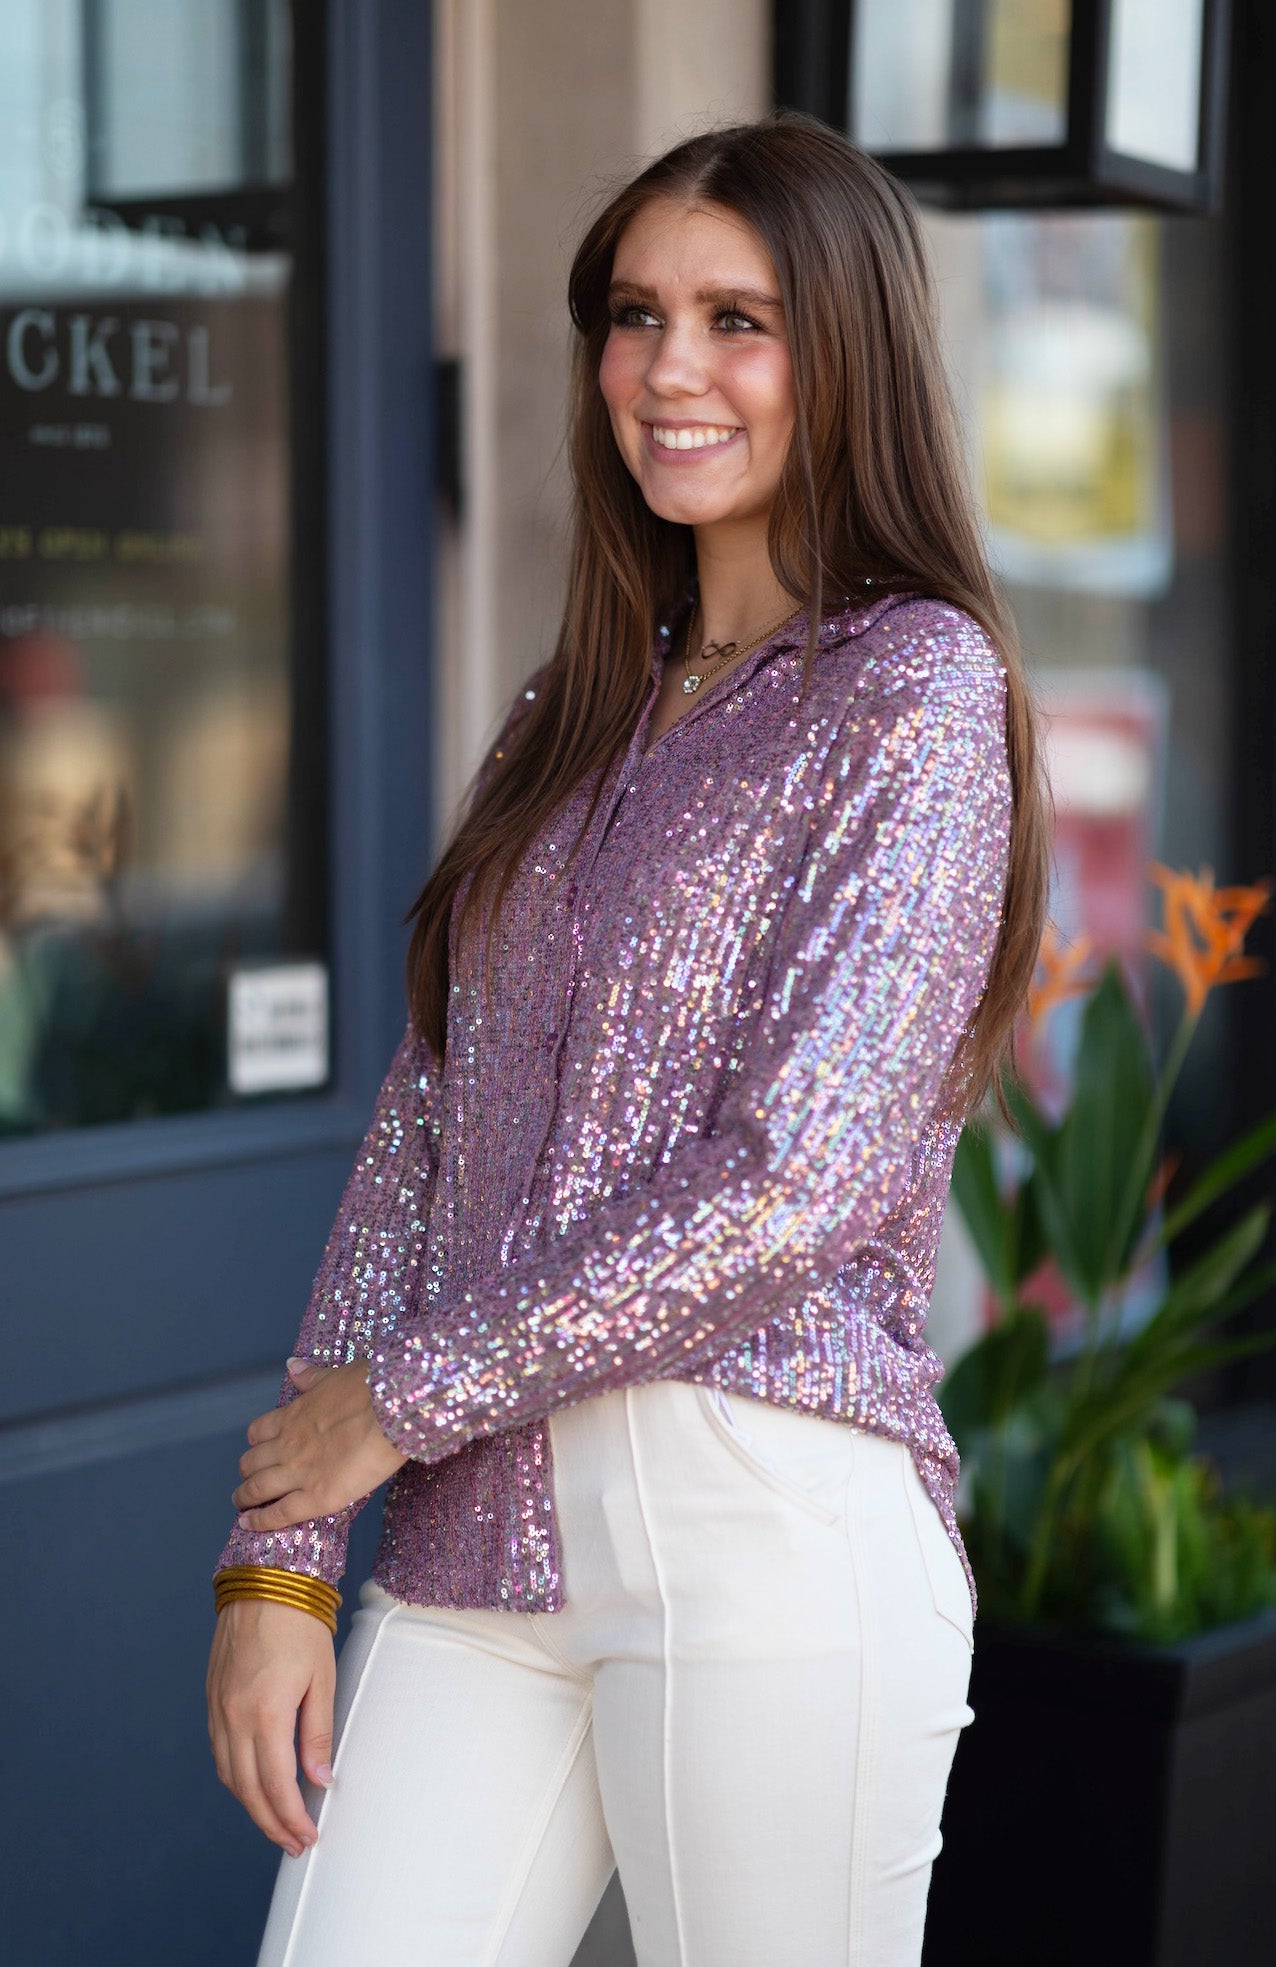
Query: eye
(628,314)
(737,323)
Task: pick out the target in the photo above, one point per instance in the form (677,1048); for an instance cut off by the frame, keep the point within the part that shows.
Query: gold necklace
(726,651)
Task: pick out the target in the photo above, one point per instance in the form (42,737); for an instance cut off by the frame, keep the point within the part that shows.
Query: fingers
(280,1792)
(254,1460)
(304,1373)
(314,1729)
(295,1506)
(261,1782)
(270,1472)
(263,1667)
(265,1485)
(266,1427)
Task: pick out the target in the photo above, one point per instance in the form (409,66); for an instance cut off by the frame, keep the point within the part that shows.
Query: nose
(676,368)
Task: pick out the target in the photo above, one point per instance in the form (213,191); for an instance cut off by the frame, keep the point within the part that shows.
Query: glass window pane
(1072,427)
(901,68)
(939,74)
(185,95)
(159,829)
(1154,81)
(1090,358)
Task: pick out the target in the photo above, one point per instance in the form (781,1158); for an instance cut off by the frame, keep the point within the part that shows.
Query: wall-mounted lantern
(1013,103)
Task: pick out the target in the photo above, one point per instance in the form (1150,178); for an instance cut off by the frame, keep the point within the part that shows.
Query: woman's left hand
(318,1454)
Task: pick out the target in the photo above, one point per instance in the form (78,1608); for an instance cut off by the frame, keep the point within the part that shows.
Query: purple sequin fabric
(699,1122)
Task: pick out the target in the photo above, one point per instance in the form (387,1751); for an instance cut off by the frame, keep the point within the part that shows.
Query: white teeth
(694,438)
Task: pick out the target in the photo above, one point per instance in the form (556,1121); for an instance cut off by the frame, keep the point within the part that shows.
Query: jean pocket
(945,1573)
(785,1449)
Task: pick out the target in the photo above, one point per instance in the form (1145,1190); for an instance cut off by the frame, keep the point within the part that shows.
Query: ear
(304,1373)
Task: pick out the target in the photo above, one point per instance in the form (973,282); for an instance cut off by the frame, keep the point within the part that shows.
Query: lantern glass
(1154,81)
(950,74)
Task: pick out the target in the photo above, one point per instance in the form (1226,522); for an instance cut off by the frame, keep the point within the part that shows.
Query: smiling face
(696,372)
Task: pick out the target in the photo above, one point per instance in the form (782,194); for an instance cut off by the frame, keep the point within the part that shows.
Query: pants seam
(548,1646)
(506,1908)
(311,1855)
(865,1742)
(665,1760)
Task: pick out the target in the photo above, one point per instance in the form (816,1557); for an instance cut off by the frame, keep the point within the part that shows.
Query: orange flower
(1059,964)
(1161,1180)
(1205,930)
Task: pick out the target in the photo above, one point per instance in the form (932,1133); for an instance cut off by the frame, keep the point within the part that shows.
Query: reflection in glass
(1089,356)
(1154,81)
(941,74)
(147,774)
(185,95)
(1074,466)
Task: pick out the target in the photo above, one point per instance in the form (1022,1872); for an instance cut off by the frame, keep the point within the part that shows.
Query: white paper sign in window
(277,1036)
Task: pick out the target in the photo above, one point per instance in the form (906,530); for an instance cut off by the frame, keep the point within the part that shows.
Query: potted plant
(1114,1798)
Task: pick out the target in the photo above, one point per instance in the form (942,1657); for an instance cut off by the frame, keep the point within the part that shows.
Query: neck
(739,594)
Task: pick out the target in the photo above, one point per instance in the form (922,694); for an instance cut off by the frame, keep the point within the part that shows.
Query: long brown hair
(873,489)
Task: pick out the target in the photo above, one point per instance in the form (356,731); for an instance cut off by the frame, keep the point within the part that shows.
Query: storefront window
(1089,352)
(162,947)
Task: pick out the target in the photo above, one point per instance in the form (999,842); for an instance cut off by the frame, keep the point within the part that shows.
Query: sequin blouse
(701,1127)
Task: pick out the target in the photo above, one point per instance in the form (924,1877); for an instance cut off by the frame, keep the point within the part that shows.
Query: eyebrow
(723,297)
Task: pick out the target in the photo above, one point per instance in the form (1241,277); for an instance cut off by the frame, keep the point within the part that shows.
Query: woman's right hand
(272,1667)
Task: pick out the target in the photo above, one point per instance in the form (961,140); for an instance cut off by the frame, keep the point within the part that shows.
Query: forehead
(672,237)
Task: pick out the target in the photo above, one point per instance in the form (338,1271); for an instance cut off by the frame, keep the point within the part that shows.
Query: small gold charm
(691,685)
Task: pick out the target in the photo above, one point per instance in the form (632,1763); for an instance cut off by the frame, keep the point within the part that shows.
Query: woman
(628,1284)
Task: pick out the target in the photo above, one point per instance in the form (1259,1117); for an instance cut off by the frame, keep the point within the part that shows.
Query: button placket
(636,756)
(579,903)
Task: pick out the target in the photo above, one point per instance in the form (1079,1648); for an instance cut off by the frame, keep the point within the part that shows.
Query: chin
(666,504)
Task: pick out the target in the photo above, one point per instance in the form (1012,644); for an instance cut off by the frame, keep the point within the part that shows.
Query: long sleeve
(882,953)
(367,1274)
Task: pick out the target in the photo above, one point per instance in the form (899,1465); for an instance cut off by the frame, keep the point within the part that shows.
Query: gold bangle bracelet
(291,1580)
(294,1584)
(301,1580)
(295,1588)
(271,1598)
(324,1598)
(327,1599)
(266,1596)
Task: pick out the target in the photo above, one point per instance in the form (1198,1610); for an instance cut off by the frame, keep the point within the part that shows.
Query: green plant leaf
(1198,1293)
(1103,1134)
(1250,1287)
(1127,1405)
(1049,1201)
(1249,1152)
(1027,1232)
(986,1216)
(996,1375)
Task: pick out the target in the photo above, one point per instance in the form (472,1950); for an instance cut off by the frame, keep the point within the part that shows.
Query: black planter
(1112,1805)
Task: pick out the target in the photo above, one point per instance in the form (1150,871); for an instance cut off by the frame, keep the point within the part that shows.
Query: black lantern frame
(813,43)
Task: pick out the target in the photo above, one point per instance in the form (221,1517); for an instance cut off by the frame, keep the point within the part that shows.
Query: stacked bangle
(294,1588)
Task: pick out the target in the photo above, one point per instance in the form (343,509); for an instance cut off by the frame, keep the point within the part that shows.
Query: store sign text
(150,361)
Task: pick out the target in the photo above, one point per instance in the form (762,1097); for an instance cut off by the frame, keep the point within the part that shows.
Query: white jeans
(750,1704)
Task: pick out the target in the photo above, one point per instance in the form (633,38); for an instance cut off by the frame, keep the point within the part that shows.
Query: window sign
(159,826)
(278,1026)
